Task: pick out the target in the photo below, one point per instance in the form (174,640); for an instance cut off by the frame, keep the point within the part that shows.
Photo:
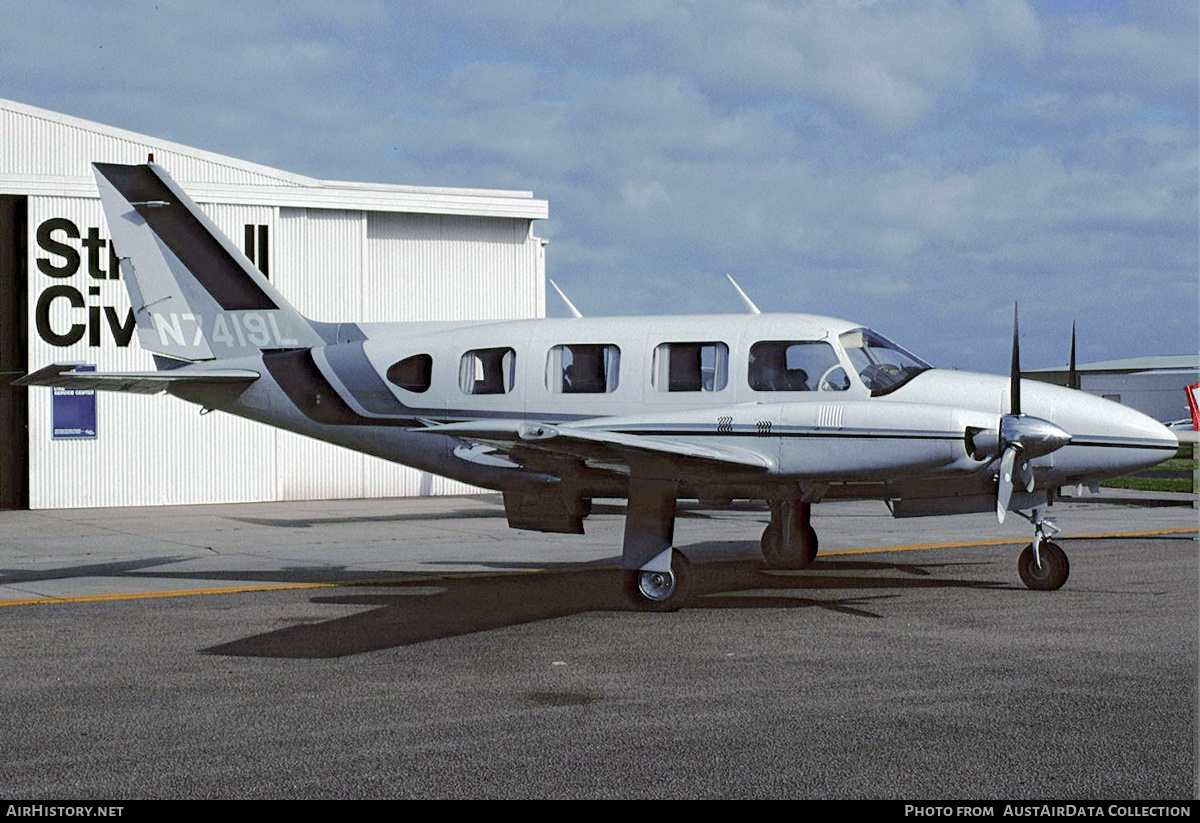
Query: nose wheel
(1043,565)
(1045,570)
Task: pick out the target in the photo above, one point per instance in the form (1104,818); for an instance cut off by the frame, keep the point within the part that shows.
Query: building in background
(354,252)
(1153,385)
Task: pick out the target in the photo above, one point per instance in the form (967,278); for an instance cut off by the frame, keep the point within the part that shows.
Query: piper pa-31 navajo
(791,409)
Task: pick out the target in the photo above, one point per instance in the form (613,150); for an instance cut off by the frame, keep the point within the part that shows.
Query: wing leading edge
(65,375)
(599,445)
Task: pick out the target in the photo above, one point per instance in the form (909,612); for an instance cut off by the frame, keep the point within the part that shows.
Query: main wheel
(772,536)
(1054,571)
(800,554)
(660,590)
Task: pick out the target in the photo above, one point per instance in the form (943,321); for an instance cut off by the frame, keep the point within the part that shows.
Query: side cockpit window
(412,373)
(583,368)
(690,367)
(784,365)
(487,371)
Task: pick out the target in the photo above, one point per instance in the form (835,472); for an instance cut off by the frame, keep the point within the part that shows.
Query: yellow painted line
(1134,534)
(1009,542)
(97,598)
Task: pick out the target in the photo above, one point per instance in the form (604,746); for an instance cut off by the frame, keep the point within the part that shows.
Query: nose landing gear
(1043,566)
(1045,570)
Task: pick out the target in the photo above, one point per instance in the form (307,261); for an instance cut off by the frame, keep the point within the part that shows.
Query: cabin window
(686,367)
(583,368)
(781,365)
(487,371)
(412,373)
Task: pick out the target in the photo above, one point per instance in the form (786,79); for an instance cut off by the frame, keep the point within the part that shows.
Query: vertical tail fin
(195,295)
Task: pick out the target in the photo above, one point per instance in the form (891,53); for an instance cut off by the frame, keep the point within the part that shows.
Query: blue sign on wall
(74,412)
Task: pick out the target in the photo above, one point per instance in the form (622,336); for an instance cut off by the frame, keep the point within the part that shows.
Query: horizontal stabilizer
(64,375)
(599,444)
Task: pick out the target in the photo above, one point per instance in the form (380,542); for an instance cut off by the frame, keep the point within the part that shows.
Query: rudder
(195,295)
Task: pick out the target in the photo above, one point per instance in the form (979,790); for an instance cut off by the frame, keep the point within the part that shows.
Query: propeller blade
(1072,373)
(1005,488)
(1014,385)
(1025,475)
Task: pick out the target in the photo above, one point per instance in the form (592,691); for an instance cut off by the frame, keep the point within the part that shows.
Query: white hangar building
(1153,385)
(355,252)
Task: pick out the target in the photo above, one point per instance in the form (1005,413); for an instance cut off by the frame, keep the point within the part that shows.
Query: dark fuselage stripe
(1112,444)
(775,432)
(873,435)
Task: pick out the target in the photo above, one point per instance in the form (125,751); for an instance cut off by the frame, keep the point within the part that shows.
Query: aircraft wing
(65,375)
(600,446)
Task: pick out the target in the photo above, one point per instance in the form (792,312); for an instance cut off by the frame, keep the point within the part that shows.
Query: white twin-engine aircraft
(787,408)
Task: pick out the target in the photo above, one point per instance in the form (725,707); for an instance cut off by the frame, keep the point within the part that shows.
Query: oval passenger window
(412,373)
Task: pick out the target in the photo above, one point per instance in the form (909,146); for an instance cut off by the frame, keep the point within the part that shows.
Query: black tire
(660,591)
(801,557)
(771,538)
(808,552)
(1054,571)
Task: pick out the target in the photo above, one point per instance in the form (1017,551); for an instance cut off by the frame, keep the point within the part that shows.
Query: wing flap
(65,375)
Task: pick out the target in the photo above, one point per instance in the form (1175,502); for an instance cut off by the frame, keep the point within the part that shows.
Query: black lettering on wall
(42,315)
(46,242)
(257,247)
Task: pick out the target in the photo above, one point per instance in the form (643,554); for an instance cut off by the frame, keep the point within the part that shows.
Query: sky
(915,166)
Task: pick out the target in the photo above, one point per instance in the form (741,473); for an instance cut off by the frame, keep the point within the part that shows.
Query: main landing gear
(657,576)
(660,590)
(789,541)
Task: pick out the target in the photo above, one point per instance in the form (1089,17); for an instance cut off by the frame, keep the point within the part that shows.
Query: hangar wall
(337,251)
(1155,385)
(1160,394)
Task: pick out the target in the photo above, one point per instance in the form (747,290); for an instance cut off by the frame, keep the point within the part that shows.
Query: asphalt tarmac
(419,648)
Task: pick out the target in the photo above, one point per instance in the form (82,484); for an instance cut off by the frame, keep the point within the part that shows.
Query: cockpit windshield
(882,365)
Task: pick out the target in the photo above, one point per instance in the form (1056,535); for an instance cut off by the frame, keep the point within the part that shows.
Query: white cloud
(912,165)
(640,197)
(1146,58)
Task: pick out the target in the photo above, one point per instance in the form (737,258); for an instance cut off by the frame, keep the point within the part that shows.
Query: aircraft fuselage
(832,435)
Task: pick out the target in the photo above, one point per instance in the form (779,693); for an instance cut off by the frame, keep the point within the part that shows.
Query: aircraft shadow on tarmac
(446,607)
(116,568)
(326,520)
(147,569)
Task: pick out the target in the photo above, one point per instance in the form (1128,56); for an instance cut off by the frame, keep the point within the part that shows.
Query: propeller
(1022,437)
(1072,372)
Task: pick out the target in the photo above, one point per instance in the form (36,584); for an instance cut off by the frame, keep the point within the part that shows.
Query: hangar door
(14,434)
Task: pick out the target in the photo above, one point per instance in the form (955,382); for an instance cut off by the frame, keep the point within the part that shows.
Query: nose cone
(1107,439)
